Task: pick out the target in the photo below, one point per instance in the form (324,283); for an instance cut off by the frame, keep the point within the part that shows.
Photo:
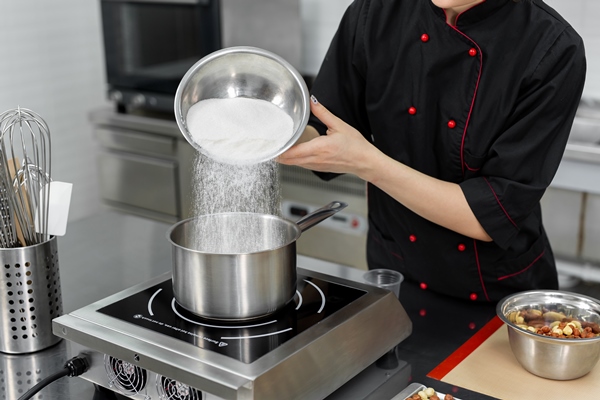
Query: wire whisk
(24,178)
(8,234)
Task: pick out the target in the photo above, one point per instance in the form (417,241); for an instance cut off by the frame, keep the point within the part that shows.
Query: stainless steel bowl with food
(553,334)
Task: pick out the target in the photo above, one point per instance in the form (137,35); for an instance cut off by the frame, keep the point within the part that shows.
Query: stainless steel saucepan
(237,266)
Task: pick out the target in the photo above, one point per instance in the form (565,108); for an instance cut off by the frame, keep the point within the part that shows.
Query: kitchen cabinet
(144,164)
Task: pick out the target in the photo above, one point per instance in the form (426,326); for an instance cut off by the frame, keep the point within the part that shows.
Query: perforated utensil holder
(31,297)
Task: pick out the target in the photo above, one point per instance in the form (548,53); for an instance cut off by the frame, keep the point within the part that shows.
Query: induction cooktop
(140,340)
(156,309)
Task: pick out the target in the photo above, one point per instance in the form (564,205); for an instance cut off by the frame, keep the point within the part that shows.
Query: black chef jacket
(487,104)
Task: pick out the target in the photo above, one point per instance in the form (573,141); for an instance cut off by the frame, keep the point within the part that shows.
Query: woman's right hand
(345,150)
(342,150)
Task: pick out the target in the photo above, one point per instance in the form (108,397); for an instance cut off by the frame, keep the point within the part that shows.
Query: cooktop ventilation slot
(127,378)
(171,389)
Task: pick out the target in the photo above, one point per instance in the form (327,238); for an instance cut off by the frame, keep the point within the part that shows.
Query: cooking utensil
(244,72)
(8,233)
(220,279)
(25,136)
(546,356)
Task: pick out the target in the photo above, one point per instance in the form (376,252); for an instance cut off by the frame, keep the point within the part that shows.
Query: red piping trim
(479,271)
(524,269)
(456,20)
(500,204)
(480,54)
(471,169)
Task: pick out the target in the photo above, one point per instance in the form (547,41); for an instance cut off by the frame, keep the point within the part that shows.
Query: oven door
(150,44)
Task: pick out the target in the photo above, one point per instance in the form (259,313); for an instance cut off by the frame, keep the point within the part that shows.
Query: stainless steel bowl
(545,356)
(244,72)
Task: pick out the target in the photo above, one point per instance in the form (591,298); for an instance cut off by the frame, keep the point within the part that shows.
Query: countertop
(110,251)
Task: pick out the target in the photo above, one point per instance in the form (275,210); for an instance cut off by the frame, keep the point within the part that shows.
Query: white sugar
(220,188)
(224,188)
(237,135)
(239,130)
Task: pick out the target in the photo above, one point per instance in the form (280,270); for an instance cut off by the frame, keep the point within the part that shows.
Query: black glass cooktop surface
(155,308)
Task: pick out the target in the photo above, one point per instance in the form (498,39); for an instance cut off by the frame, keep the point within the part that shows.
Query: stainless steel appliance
(142,344)
(145,166)
(150,44)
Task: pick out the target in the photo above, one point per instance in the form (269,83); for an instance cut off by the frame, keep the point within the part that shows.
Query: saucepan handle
(313,218)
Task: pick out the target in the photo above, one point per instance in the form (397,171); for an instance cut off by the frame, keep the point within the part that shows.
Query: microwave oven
(150,44)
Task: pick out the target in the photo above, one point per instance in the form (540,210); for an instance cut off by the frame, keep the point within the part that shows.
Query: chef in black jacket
(456,113)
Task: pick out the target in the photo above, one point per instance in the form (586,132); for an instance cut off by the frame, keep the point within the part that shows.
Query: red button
(412,111)
(423,285)
(472,51)
(424,37)
(452,124)
(412,238)
(462,247)
(473,296)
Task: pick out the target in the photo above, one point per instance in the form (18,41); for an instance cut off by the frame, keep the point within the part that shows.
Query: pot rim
(292,225)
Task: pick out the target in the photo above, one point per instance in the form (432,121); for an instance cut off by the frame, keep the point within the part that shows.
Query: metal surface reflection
(19,373)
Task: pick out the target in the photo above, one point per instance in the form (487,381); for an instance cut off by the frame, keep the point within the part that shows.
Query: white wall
(320,19)
(51,62)
(583,15)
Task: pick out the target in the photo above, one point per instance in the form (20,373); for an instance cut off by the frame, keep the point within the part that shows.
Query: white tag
(59,202)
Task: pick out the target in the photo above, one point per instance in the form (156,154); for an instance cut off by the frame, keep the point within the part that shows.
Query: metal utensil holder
(31,297)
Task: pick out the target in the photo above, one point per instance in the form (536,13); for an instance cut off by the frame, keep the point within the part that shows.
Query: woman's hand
(345,150)
(342,150)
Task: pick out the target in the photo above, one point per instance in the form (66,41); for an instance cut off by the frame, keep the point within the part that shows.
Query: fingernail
(314,99)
